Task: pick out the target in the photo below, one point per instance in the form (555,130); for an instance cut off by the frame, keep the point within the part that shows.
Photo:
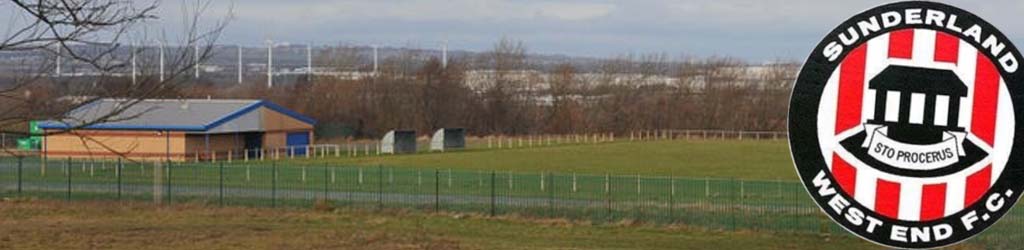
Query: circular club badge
(903,125)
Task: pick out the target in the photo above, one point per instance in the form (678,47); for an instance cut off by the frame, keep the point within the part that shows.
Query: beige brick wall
(136,145)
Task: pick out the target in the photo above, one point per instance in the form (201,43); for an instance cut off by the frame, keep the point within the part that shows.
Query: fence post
(42,167)
(117,172)
(551,196)
(158,181)
(733,207)
(573,182)
(67,171)
(20,158)
(639,198)
(607,196)
(638,186)
(222,184)
(325,181)
(437,189)
(542,175)
(672,200)
(707,187)
(380,187)
(169,185)
(743,191)
(273,183)
(492,193)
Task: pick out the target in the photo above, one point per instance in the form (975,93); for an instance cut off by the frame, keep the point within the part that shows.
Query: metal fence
(716,204)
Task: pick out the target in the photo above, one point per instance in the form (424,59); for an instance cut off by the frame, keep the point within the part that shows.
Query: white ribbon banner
(912,156)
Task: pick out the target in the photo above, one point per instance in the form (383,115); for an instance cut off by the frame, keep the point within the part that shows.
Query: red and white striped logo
(903,125)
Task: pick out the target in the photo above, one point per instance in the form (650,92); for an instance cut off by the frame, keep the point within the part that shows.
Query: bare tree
(96,36)
(770,104)
(565,113)
(442,95)
(508,63)
(500,92)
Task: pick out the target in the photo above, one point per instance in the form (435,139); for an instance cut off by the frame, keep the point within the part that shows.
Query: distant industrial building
(177,130)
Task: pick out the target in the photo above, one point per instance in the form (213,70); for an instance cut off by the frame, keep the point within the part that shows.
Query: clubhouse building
(176,130)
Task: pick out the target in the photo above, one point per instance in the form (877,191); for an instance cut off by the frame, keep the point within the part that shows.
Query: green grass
(720,203)
(695,201)
(727,159)
(57,225)
(761,160)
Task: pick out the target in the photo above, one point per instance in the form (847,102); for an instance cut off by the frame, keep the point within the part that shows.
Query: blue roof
(191,115)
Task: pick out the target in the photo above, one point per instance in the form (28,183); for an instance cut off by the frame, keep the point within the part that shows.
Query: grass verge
(101,225)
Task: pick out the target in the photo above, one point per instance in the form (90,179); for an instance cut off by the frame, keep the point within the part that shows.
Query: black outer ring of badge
(806,153)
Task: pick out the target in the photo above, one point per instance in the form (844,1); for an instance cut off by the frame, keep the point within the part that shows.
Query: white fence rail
(492,142)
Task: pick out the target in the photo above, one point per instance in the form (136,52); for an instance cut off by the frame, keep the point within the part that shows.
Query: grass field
(693,201)
(56,225)
(759,160)
(410,182)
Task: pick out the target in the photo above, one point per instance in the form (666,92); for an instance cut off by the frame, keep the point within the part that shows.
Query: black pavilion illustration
(908,81)
(934,84)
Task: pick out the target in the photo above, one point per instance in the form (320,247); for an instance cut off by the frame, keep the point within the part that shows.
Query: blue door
(297,141)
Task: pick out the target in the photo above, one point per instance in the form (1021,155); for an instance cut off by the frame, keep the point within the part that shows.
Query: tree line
(502,92)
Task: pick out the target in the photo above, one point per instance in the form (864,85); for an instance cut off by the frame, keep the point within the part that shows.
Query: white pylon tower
(444,54)
(374,60)
(195,56)
(134,67)
(309,62)
(239,64)
(58,59)
(162,62)
(270,64)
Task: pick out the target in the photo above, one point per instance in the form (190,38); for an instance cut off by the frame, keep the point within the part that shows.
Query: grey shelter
(448,138)
(398,142)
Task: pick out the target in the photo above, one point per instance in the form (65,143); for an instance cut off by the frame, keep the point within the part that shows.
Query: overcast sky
(749,29)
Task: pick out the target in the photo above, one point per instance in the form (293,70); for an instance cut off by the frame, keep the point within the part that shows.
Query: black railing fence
(716,204)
